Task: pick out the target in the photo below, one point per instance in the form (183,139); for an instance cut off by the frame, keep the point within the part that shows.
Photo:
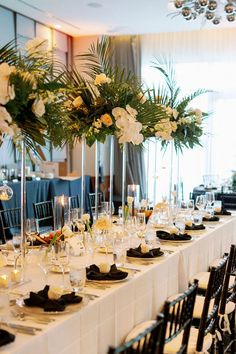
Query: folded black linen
(164,235)
(93,273)
(40,299)
(6,337)
(212,218)
(223,212)
(195,227)
(136,252)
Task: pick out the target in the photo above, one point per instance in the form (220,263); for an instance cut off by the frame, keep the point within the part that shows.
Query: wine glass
(74,217)
(140,225)
(210,198)
(16,244)
(201,202)
(45,261)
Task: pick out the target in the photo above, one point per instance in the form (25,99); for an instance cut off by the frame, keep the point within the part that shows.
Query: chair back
(178,318)
(208,320)
(10,219)
(229,290)
(74,202)
(91,200)
(146,342)
(43,213)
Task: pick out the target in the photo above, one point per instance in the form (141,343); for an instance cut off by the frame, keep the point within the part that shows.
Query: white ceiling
(87,17)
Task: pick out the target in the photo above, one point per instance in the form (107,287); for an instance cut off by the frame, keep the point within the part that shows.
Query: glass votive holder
(217,206)
(133,190)
(61,211)
(197,218)
(119,252)
(4,281)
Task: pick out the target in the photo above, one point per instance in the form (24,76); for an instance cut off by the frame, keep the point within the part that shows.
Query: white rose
(104,267)
(144,248)
(144,203)
(130,200)
(67,231)
(38,107)
(175,113)
(101,79)
(169,110)
(85,218)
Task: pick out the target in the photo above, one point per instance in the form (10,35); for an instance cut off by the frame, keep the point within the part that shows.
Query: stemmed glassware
(30,230)
(45,261)
(140,225)
(201,202)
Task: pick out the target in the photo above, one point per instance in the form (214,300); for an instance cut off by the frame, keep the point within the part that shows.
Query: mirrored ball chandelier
(211,10)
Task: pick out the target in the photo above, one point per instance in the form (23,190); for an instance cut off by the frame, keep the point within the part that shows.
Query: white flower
(169,111)
(131,111)
(141,97)
(38,107)
(36,45)
(6,91)
(118,112)
(4,115)
(85,218)
(144,203)
(78,102)
(175,113)
(173,126)
(130,200)
(101,79)
(67,231)
(97,124)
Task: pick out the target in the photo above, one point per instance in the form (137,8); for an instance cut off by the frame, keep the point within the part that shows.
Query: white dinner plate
(109,281)
(29,310)
(57,269)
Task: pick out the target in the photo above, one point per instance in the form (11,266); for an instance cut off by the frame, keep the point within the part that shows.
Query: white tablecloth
(108,319)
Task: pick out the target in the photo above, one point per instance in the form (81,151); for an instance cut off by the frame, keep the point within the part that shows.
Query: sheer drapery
(126,55)
(203,59)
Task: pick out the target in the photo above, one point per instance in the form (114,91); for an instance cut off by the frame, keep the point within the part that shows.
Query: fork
(23,317)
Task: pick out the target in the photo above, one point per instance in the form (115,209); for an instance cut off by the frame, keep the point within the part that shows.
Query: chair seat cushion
(173,346)
(141,327)
(203,278)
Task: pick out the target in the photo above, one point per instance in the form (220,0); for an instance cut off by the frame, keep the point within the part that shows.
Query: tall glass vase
(23,199)
(111,174)
(82,192)
(124,192)
(96,177)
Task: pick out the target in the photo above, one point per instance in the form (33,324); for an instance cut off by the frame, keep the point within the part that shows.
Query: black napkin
(93,273)
(40,299)
(195,227)
(212,218)
(136,252)
(163,235)
(6,337)
(223,212)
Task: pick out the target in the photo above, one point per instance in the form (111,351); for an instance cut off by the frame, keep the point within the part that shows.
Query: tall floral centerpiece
(106,101)
(183,126)
(31,102)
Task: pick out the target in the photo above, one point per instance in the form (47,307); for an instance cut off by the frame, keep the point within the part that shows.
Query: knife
(19,326)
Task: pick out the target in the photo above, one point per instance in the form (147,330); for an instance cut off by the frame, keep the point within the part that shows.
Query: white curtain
(203,59)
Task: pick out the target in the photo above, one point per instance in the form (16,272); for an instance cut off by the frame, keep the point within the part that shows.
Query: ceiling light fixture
(211,10)
(57,26)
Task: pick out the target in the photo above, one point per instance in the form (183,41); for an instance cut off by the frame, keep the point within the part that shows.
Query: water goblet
(201,202)
(61,260)
(140,225)
(45,260)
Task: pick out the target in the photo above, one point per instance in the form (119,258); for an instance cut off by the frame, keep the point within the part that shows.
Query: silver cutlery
(38,319)
(21,328)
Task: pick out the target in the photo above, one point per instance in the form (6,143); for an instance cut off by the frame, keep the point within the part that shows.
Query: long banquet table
(108,319)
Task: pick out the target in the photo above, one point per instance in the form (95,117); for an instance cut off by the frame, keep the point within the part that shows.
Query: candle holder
(61,212)
(133,191)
